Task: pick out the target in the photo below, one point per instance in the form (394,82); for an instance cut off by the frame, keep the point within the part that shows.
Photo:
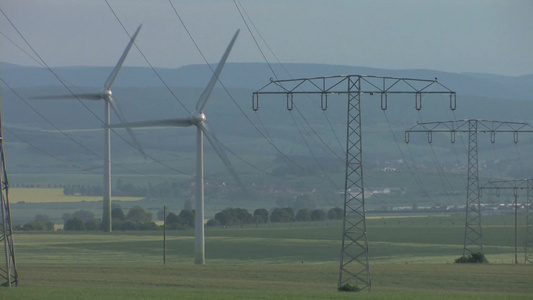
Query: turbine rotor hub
(198,117)
(106,94)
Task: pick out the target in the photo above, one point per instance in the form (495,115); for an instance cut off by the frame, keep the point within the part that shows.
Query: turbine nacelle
(197,118)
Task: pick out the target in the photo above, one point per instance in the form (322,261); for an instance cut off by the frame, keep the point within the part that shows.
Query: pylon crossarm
(369,84)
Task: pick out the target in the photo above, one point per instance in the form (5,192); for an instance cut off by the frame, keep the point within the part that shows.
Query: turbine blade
(156,123)
(122,119)
(88,96)
(114,73)
(209,88)
(222,154)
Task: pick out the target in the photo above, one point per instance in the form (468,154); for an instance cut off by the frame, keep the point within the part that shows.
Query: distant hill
(31,125)
(255,75)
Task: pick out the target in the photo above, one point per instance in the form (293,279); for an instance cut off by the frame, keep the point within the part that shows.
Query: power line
(77,98)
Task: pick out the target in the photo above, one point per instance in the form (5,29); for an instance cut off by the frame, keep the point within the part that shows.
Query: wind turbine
(198,119)
(106,95)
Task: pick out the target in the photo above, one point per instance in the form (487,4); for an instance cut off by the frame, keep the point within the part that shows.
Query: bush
(349,288)
(147,226)
(472,258)
(38,226)
(212,223)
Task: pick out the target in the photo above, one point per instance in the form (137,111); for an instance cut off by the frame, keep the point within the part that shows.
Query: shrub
(38,226)
(147,226)
(349,288)
(472,258)
(212,223)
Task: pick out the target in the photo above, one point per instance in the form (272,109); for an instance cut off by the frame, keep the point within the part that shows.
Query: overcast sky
(485,36)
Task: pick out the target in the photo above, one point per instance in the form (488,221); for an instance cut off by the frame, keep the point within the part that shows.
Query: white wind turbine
(198,119)
(106,95)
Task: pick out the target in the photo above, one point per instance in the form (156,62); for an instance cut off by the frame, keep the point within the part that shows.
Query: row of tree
(240,216)
(137,218)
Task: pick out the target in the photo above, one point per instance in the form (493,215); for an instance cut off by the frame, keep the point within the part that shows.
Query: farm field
(410,258)
(54,195)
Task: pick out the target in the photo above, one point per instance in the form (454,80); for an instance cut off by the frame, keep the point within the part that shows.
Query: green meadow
(411,257)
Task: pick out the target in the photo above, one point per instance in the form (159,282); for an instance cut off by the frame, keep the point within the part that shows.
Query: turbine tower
(198,119)
(106,95)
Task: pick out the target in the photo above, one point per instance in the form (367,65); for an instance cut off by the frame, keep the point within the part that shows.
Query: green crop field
(410,258)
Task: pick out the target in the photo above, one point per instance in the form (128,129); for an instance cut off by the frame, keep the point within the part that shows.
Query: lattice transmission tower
(473,236)
(8,269)
(515,185)
(354,267)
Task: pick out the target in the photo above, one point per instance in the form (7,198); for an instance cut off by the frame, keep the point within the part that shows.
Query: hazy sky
(458,36)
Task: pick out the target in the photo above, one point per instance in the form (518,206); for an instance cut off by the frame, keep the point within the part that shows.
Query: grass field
(410,258)
(53,195)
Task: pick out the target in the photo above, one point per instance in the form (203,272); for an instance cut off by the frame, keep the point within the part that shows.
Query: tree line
(137,218)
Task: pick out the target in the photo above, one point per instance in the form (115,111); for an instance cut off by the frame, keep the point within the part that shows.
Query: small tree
(74,224)
(83,215)
(92,224)
(187,217)
(139,215)
(335,213)
(285,214)
(261,215)
(117,215)
(318,215)
(172,218)
(303,215)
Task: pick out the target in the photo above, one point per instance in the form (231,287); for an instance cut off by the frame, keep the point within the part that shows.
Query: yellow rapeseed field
(43,195)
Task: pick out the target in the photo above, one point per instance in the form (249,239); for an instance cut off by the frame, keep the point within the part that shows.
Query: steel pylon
(354,267)
(473,236)
(528,245)
(515,185)
(8,269)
